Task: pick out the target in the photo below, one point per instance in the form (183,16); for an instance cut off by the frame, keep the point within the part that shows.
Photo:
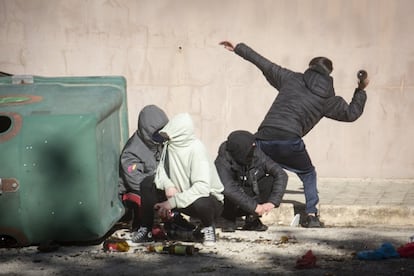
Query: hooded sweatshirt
(303,99)
(140,155)
(191,170)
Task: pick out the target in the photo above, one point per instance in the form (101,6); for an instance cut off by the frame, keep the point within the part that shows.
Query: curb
(362,216)
(347,216)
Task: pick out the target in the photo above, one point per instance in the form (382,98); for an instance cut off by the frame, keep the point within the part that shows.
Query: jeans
(292,156)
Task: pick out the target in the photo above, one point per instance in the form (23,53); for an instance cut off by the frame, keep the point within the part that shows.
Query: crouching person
(253,183)
(188,177)
(138,162)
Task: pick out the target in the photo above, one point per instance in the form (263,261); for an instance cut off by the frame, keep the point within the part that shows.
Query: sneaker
(142,235)
(198,235)
(209,235)
(312,222)
(253,223)
(228,226)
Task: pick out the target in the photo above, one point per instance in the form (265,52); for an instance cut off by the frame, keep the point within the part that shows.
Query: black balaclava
(240,144)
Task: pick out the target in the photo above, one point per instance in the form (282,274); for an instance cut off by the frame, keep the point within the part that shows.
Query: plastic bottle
(295,221)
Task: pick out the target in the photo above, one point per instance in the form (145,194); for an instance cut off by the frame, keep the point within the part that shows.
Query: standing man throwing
(303,100)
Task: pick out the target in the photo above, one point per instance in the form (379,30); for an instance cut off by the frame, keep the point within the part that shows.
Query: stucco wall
(168,51)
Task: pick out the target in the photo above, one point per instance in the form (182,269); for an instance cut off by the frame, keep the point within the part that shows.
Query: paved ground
(274,252)
(353,202)
(358,214)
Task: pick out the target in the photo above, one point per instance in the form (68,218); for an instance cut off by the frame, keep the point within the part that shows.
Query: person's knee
(308,173)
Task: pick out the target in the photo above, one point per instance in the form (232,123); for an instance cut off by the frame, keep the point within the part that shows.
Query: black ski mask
(240,144)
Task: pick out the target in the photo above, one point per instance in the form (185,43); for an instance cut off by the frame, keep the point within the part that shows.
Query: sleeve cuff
(172,202)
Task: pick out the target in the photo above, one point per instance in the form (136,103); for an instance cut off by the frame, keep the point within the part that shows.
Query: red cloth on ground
(307,261)
(406,251)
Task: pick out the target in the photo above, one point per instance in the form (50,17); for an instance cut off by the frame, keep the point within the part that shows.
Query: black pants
(206,209)
(232,210)
(143,214)
(150,196)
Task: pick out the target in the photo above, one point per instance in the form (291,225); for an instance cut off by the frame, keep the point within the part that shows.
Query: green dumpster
(60,141)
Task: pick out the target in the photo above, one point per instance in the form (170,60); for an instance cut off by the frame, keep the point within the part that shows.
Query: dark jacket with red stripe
(140,155)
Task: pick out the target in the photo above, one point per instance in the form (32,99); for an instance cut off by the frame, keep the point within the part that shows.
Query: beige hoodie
(192,172)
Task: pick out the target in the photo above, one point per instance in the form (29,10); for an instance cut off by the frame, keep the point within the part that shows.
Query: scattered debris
(406,251)
(306,261)
(287,239)
(386,251)
(175,249)
(48,246)
(114,244)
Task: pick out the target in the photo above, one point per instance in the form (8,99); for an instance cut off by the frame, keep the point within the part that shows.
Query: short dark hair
(321,64)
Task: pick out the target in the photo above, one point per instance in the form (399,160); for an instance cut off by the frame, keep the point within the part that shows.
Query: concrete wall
(168,51)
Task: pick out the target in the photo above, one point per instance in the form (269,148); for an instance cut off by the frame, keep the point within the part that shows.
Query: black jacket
(303,99)
(235,176)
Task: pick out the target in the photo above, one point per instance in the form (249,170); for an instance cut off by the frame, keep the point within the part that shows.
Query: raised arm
(274,73)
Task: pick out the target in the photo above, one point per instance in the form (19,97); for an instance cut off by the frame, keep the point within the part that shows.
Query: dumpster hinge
(8,185)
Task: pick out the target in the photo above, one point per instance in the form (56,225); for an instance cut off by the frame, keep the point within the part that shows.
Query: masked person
(138,162)
(188,177)
(253,183)
(303,100)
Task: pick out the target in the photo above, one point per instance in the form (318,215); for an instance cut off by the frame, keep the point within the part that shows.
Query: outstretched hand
(228,45)
(259,210)
(268,206)
(262,209)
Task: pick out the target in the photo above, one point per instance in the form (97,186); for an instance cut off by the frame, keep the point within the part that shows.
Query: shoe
(181,223)
(209,236)
(312,222)
(142,235)
(228,225)
(253,223)
(178,228)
